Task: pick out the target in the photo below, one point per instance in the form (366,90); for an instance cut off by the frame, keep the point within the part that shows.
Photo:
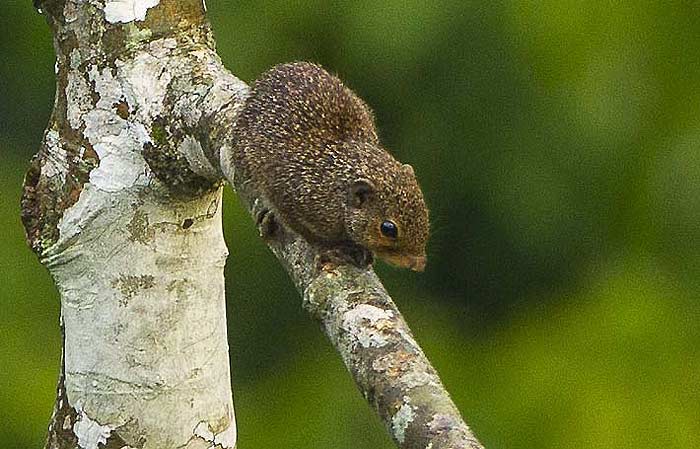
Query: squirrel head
(387,214)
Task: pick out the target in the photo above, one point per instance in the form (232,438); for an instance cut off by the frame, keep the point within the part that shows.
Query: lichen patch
(402,419)
(110,134)
(148,81)
(139,228)
(79,101)
(125,11)
(57,163)
(90,433)
(130,285)
(366,322)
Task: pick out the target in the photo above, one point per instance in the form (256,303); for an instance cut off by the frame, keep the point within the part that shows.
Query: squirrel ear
(360,192)
(409,169)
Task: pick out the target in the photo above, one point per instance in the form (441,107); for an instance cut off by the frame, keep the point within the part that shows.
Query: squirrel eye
(389,229)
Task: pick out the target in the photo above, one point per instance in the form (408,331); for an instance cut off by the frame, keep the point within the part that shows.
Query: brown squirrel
(310,144)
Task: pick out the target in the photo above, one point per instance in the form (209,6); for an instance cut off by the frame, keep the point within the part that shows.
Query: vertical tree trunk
(130,233)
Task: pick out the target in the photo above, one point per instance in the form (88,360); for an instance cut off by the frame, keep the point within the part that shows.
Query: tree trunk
(123,206)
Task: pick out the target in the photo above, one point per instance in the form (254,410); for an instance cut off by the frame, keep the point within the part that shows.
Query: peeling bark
(122,205)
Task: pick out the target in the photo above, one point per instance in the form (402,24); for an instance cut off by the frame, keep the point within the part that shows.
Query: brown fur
(305,139)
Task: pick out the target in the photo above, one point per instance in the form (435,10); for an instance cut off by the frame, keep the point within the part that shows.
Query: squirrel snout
(417,263)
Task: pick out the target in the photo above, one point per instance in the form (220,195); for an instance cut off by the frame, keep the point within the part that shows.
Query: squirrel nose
(418,263)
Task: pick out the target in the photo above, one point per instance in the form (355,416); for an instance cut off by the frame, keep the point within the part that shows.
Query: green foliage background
(558,143)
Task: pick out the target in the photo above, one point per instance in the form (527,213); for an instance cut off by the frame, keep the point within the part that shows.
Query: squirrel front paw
(347,254)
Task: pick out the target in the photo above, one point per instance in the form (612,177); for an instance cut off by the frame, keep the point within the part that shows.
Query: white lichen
(142,84)
(75,59)
(78,96)
(418,378)
(130,167)
(402,419)
(161,48)
(147,80)
(364,322)
(90,433)
(125,11)
(105,85)
(56,165)
(110,135)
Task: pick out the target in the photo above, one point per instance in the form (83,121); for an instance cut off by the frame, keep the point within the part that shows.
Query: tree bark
(123,206)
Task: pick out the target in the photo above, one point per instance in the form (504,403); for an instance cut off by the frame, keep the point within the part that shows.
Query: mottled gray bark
(122,204)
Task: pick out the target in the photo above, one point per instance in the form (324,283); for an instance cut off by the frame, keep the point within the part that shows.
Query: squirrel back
(310,144)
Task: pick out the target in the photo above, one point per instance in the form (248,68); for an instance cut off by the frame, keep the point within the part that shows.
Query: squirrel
(310,144)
